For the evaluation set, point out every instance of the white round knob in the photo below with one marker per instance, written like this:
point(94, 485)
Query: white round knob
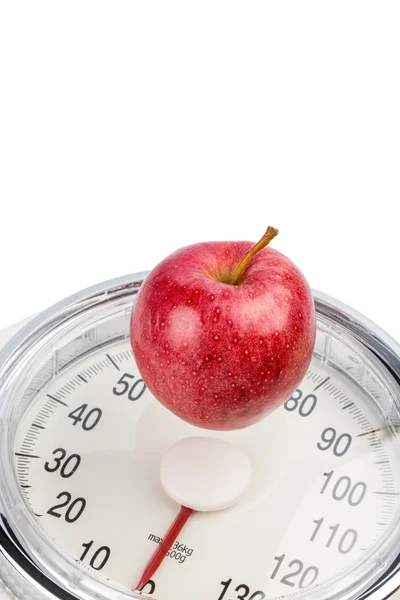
point(205, 473)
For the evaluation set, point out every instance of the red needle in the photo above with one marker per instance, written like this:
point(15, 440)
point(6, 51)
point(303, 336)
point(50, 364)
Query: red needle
point(164, 547)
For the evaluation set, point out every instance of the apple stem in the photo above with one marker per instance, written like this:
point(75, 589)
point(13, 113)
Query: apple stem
point(240, 270)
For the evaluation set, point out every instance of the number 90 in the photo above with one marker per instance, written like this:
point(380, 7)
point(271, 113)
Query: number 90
point(339, 445)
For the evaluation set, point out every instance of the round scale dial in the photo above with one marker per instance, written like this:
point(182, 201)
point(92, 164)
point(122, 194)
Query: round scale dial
point(86, 440)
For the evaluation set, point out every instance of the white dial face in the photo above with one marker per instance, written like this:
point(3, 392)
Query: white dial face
point(325, 484)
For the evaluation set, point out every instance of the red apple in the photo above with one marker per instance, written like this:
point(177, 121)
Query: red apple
point(223, 332)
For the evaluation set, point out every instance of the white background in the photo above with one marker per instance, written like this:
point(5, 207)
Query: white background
point(129, 129)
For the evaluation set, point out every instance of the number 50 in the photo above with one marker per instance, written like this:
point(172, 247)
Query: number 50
point(124, 385)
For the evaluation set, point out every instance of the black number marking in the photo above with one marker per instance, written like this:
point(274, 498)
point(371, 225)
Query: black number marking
point(139, 392)
point(57, 460)
point(90, 420)
point(52, 510)
point(308, 576)
point(305, 407)
point(151, 585)
point(225, 586)
point(243, 588)
point(99, 558)
point(125, 384)
point(71, 515)
point(246, 591)
point(339, 445)
point(68, 468)
point(344, 488)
